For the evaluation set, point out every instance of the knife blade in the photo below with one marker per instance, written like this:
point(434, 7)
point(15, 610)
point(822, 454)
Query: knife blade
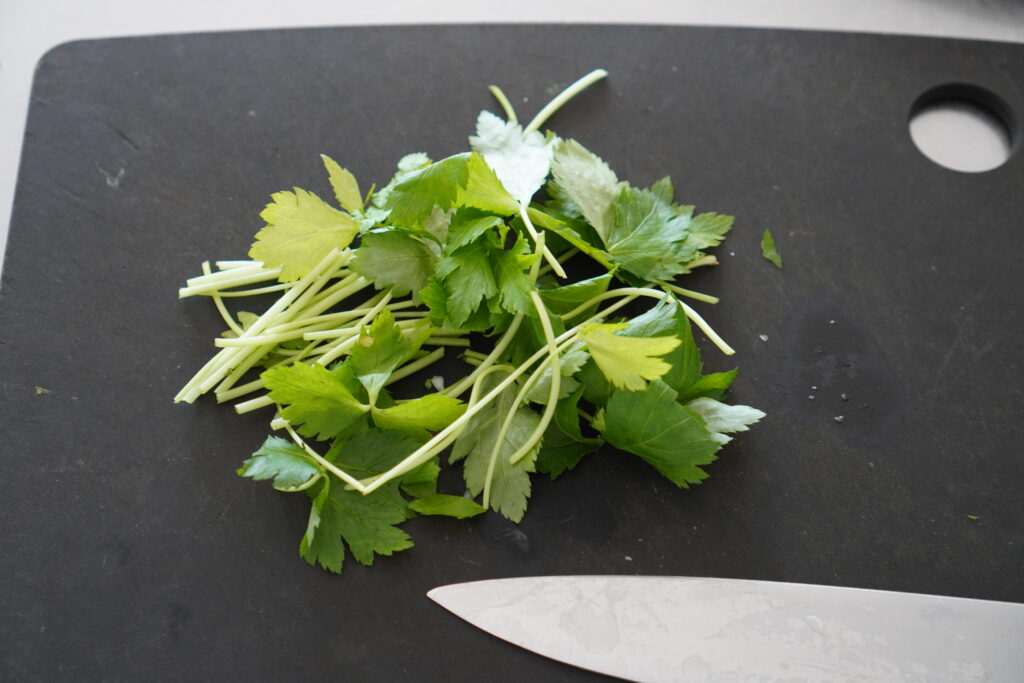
point(649, 628)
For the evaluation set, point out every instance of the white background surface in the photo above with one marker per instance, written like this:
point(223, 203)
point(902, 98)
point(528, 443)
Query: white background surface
point(28, 28)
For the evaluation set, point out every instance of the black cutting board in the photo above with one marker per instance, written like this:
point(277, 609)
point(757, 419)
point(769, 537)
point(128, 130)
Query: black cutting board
point(130, 550)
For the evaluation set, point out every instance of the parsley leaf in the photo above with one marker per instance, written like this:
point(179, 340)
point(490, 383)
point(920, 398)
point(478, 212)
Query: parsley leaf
point(459, 507)
point(564, 444)
point(468, 279)
point(413, 199)
point(319, 400)
point(671, 437)
point(723, 419)
point(484, 191)
point(627, 361)
point(708, 230)
point(586, 179)
point(521, 162)
point(395, 259)
point(510, 486)
point(346, 189)
point(365, 524)
point(430, 412)
point(380, 350)
point(769, 250)
point(281, 460)
point(666, 318)
point(713, 385)
point(647, 237)
point(301, 229)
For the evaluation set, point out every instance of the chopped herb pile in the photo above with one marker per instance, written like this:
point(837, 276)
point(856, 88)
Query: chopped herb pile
point(458, 253)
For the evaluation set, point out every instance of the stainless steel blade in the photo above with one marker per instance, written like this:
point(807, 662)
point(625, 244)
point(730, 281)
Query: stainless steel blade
point(649, 628)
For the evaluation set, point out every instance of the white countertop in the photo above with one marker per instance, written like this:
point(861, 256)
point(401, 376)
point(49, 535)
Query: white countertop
point(28, 28)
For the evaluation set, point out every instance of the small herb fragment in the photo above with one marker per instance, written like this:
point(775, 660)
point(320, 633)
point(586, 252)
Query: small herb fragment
point(769, 250)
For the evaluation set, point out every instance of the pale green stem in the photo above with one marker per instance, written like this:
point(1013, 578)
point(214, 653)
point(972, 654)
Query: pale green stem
point(689, 293)
point(466, 382)
point(556, 382)
point(447, 341)
point(243, 366)
point(338, 350)
point(631, 292)
point(535, 436)
point(228, 279)
point(221, 308)
point(417, 365)
point(711, 334)
point(656, 294)
point(228, 265)
point(562, 258)
point(305, 485)
point(258, 290)
point(209, 277)
point(235, 392)
point(506, 106)
point(563, 97)
point(253, 404)
point(326, 464)
point(221, 363)
point(540, 247)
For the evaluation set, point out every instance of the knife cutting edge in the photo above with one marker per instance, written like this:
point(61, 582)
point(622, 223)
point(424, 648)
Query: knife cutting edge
point(700, 629)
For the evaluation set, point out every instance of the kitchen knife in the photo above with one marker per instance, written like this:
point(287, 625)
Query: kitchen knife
point(650, 628)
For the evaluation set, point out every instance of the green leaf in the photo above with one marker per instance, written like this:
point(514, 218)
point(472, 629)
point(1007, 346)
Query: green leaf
point(395, 259)
point(379, 351)
point(484, 191)
point(671, 437)
point(422, 481)
point(647, 237)
point(714, 385)
point(627, 361)
point(563, 230)
point(468, 279)
point(521, 161)
point(570, 363)
point(564, 299)
point(468, 225)
point(510, 486)
point(596, 387)
point(514, 284)
point(281, 460)
point(667, 318)
point(371, 452)
point(722, 419)
point(449, 506)
point(413, 199)
point(708, 230)
point(587, 180)
point(769, 250)
point(301, 230)
point(364, 524)
point(315, 398)
point(560, 452)
point(344, 184)
point(430, 412)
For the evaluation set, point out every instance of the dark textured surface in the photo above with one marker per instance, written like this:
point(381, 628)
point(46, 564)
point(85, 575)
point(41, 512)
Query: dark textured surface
point(129, 549)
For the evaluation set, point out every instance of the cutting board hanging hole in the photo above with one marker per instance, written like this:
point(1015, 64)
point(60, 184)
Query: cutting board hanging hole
point(963, 128)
